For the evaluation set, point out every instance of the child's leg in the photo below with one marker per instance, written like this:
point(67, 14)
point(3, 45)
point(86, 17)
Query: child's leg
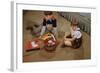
point(68, 43)
point(43, 30)
point(66, 40)
point(55, 32)
point(63, 44)
point(77, 43)
point(49, 27)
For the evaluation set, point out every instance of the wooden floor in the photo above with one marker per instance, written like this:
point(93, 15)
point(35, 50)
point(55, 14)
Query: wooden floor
point(67, 53)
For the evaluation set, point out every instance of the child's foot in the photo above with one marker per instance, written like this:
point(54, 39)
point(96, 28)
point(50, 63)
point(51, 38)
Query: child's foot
point(63, 46)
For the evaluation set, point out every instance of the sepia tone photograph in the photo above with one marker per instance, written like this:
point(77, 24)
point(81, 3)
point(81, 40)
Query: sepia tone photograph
point(56, 36)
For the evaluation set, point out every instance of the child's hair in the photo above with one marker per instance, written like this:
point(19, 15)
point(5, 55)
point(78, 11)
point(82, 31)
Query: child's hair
point(48, 12)
point(74, 22)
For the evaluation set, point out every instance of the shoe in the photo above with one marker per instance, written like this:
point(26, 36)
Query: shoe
point(63, 46)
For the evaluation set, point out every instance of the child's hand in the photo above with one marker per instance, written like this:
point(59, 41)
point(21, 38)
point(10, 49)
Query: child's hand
point(65, 38)
point(40, 37)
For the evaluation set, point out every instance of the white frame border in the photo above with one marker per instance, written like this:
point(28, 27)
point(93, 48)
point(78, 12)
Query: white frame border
point(16, 62)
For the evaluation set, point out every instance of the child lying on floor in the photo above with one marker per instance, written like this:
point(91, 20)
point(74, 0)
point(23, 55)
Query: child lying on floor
point(74, 39)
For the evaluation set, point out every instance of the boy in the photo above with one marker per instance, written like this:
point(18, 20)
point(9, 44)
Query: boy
point(74, 39)
point(49, 23)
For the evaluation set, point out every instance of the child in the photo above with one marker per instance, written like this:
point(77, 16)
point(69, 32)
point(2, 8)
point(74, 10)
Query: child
point(49, 23)
point(74, 39)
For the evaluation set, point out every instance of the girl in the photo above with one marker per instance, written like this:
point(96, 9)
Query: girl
point(49, 23)
point(74, 39)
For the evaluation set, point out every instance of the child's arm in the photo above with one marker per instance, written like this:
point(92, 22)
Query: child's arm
point(44, 22)
point(70, 39)
point(43, 27)
point(66, 34)
point(43, 30)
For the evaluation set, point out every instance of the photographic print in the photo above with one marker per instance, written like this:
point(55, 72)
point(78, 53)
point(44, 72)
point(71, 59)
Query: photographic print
point(52, 36)
point(56, 36)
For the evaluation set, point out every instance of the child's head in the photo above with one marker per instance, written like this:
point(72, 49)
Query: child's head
point(48, 14)
point(74, 24)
